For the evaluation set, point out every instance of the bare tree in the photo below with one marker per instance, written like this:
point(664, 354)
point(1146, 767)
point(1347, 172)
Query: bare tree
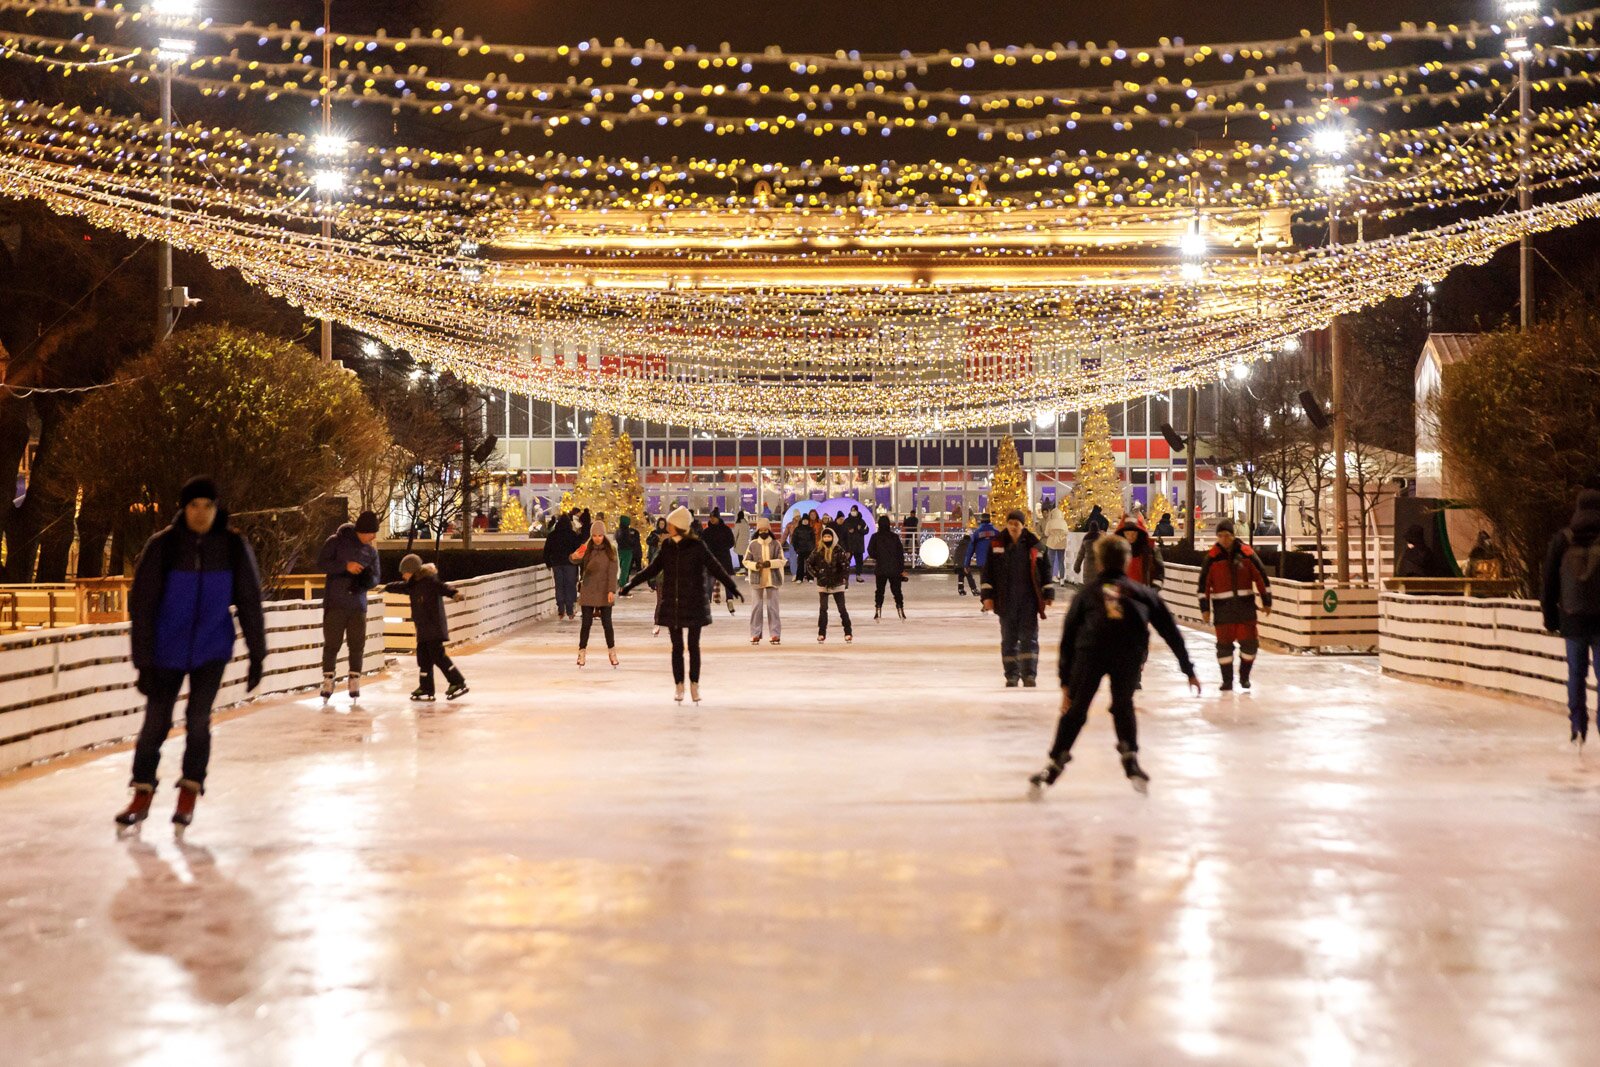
point(1381, 437)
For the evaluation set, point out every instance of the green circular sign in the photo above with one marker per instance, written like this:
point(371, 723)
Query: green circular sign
point(1330, 601)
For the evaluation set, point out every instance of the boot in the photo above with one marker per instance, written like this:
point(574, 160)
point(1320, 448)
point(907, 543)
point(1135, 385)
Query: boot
point(1051, 772)
point(354, 685)
point(583, 656)
point(1030, 682)
point(422, 695)
point(456, 691)
point(1244, 672)
point(877, 613)
point(694, 692)
point(612, 655)
point(1227, 677)
point(1131, 768)
point(138, 808)
point(678, 692)
point(327, 687)
point(901, 608)
point(188, 793)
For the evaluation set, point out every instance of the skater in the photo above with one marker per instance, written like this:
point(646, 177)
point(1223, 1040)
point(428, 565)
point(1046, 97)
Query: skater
point(977, 554)
point(804, 540)
point(1056, 533)
point(888, 554)
point(683, 564)
point(764, 562)
point(558, 549)
point(1096, 520)
point(1085, 566)
point(597, 592)
point(1017, 588)
point(855, 536)
point(719, 541)
point(964, 577)
point(1230, 577)
point(741, 540)
point(420, 581)
point(351, 566)
point(653, 545)
point(1107, 636)
point(187, 578)
point(830, 565)
point(1570, 599)
point(1146, 565)
point(628, 549)
point(1164, 528)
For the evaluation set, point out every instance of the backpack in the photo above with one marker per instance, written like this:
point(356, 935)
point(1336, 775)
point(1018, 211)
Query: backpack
point(1580, 578)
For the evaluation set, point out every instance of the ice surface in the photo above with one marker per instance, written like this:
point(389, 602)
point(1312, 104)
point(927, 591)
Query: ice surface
point(831, 861)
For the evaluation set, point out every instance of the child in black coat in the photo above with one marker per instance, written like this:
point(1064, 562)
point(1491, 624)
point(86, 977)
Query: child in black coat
point(420, 581)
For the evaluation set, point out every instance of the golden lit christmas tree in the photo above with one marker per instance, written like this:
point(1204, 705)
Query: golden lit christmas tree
point(1008, 490)
point(1159, 506)
point(630, 491)
point(513, 519)
point(1098, 481)
point(595, 487)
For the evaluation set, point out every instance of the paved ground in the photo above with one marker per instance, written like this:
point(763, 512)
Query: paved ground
point(831, 861)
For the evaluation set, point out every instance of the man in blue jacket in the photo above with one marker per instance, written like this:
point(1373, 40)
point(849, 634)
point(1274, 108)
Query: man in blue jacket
point(188, 578)
point(977, 555)
point(351, 565)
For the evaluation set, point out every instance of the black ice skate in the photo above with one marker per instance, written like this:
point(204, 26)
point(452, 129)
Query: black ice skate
point(1244, 673)
point(1136, 776)
point(902, 612)
point(1051, 772)
point(457, 690)
point(138, 808)
point(422, 695)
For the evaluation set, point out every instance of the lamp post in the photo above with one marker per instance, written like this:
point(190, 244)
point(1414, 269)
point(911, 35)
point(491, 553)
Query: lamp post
point(170, 51)
point(327, 141)
point(1517, 48)
point(1330, 142)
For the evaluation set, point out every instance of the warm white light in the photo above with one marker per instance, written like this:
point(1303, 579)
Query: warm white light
point(1193, 244)
point(1514, 8)
point(371, 347)
point(1291, 344)
point(329, 144)
point(328, 181)
point(1330, 140)
point(175, 9)
point(1044, 419)
point(1517, 48)
point(1331, 179)
point(1241, 371)
point(1192, 272)
point(174, 49)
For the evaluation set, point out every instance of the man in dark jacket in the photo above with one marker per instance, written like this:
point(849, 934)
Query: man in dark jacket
point(1096, 520)
point(188, 578)
point(559, 546)
point(1107, 636)
point(629, 550)
point(888, 554)
point(420, 581)
point(804, 540)
point(1017, 588)
point(855, 538)
point(719, 541)
point(1570, 598)
point(1230, 577)
point(351, 567)
point(1419, 560)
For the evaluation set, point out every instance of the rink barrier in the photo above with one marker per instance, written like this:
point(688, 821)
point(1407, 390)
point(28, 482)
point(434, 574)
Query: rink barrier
point(1300, 621)
point(1497, 645)
point(70, 689)
point(489, 604)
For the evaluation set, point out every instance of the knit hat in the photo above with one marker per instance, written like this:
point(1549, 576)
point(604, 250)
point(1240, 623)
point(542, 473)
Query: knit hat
point(367, 522)
point(763, 523)
point(624, 521)
point(681, 518)
point(197, 488)
point(1225, 526)
point(410, 565)
point(1017, 514)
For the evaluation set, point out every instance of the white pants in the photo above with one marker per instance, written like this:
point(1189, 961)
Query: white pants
point(766, 600)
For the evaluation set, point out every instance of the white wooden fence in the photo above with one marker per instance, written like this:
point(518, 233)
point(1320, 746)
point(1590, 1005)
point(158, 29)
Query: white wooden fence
point(1489, 644)
point(1304, 616)
point(64, 690)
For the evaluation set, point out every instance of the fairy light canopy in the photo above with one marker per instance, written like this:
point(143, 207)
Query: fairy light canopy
point(1155, 218)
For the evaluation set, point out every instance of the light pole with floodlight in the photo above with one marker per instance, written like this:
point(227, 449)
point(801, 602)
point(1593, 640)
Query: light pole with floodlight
point(1517, 48)
point(170, 51)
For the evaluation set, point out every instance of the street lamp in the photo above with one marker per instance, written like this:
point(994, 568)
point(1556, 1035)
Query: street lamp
point(1329, 142)
point(171, 50)
point(1518, 48)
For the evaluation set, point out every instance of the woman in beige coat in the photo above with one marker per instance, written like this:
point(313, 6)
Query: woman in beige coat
point(764, 561)
point(597, 571)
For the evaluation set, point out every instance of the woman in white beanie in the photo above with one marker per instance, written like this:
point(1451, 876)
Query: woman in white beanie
point(684, 565)
point(763, 559)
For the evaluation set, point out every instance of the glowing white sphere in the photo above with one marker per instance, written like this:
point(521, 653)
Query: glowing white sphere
point(934, 552)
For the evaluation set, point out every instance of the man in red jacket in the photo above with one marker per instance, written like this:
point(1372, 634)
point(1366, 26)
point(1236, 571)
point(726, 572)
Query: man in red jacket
point(1230, 577)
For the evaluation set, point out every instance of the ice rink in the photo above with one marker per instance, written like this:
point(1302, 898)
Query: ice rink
point(833, 860)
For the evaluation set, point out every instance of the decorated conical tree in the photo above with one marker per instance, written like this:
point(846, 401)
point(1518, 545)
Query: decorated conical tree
point(1159, 506)
point(1098, 481)
point(512, 518)
point(1008, 490)
point(597, 475)
point(630, 491)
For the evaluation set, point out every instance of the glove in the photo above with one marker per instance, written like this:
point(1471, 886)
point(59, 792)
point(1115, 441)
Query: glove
point(143, 684)
point(734, 594)
point(252, 680)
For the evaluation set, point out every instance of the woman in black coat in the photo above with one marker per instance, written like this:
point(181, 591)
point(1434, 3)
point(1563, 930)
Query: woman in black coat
point(684, 565)
point(888, 554)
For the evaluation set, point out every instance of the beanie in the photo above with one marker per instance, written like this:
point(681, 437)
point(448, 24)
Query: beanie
point(1017, 514)
point(681, 518)
point(367, 522)
point(197, 488)
point(410, 565)
point(763, 523)
point(1225, 526)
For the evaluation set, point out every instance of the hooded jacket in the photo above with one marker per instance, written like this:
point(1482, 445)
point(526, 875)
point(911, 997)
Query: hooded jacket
point(1056, 531)
point(561, 544)
point(1229, 581)
point(1096, 519)
point(855, 532)
point(763, 559)
point(1574, 551)
point(978, 552)
point(804, 537)
point(1015, 567)
point(183, 587)
point(597, 573)
point(718, 536)
point(1418, 560)
point(1146, 566)
point(427, 595)
point(1110, 620)
point(682, 566)
point(344, 591)
point(887, 551)
point(830, 565)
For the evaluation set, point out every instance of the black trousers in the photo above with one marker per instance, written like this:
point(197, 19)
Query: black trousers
point(965, 580)
point(204, 681)
point(431, 654)
point(859, 554)
point(343, 626)
point(894, 582)
point(678, 640)
point(1019, 639)
point(1123, 670)
point(605, 624)
point(822, 613)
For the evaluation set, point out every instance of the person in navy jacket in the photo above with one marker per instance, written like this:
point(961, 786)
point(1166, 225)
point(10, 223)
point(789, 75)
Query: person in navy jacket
point(190, 580)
